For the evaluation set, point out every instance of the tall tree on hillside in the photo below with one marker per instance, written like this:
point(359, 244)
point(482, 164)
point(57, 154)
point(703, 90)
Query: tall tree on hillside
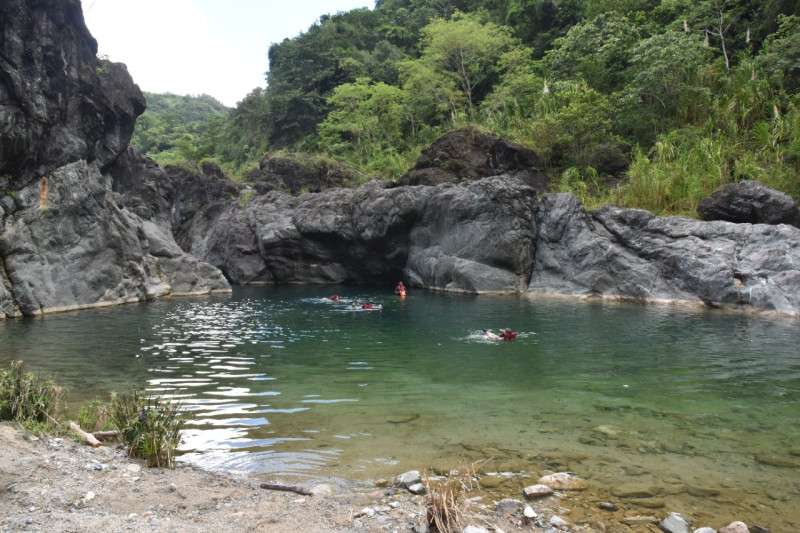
point(597, 51)
point(539, 22)
point(466, 51)
point(666, 88)
point(717, 18)
point(780, 56)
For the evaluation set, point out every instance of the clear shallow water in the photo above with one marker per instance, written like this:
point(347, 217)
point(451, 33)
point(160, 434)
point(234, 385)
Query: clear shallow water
point(281, 382)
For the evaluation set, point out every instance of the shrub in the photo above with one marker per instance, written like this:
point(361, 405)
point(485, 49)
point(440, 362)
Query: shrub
point(28, 398)
point(149, 426)
point(94, 416)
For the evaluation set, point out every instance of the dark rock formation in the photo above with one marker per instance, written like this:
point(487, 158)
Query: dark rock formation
point(468, 154)
point(189, 191)
point(58, 102)
point(300, 173)
point(750, 202)
point(69, 238)
point(633, 254)
point(470, 237)
point(491, 235)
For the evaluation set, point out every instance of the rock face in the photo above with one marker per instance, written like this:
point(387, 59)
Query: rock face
point(297, 173)
point(633, 254)
point(493, 235)
point(472, 237)
point(68, 238)
point(750, 202)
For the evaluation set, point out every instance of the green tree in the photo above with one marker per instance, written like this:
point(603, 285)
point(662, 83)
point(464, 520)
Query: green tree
point(365, 113)
point(597, 51)
point(666, 86)
point(466, 51)
point(519, 95)
point(780, 56)
point(539, 22)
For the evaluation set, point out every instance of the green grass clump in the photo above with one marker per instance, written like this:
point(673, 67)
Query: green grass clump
point(27, 398)
point(149, 426)
point(94, 416)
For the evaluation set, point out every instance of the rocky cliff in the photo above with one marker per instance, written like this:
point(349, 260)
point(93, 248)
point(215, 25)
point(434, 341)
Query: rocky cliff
point(496, 235)
point(71, 236)
point(88, 221)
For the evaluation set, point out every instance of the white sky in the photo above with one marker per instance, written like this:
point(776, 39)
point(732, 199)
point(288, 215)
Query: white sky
point(215, 47)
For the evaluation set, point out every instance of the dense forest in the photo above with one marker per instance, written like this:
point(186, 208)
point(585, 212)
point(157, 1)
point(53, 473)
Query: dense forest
point(644, 103)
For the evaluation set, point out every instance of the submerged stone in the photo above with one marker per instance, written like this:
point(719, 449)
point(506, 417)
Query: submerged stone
point(676, 523)
point(781, 461)
point(564, 481)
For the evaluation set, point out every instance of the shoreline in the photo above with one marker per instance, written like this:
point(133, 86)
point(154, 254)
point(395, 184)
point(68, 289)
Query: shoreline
point(57, 484)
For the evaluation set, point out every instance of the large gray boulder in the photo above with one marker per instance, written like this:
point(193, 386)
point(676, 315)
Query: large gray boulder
point(301, 173)
point(469, 154)
point(85, 221)
point(58, 102)
point(750, 202)
point(633, 254)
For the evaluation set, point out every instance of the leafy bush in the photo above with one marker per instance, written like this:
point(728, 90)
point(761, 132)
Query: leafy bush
point(28, 398)
point(149, 426)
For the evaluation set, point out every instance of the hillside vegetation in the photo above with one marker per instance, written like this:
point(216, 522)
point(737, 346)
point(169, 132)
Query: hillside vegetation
point(644, 103)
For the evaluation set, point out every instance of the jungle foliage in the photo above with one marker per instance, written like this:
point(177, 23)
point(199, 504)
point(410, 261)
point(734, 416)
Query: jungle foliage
point(645, 103)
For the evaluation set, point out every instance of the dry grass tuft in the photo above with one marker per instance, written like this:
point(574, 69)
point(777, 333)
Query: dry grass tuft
point(446, 500)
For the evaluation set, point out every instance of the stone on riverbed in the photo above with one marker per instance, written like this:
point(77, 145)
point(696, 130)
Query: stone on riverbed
point(777, 460)
point(675, 523)
point(735, 527)
point(537, 491)
point(417, 488)
point(564, 481)
point(407, 479)
point(507, 506)
point(635, 490)
point(636, 520)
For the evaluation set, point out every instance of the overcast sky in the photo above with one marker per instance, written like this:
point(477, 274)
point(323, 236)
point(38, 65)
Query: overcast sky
point(215, 47)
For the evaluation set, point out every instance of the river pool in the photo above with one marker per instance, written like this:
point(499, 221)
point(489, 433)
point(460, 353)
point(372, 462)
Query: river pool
point(281, 381)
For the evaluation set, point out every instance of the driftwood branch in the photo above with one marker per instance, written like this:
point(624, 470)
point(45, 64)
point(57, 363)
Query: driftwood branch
point(88, 437)
point(106, 434)
point(286, 488)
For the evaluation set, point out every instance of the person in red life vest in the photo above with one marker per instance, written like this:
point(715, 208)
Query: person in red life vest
point(366, 305)
point(335, 298)
point(505, 335)
point(400, 290)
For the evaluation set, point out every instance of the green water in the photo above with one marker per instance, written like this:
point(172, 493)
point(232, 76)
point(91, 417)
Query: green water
point(281, 382)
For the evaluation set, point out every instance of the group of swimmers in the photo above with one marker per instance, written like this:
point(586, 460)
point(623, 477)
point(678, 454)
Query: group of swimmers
point(354, 305)
point(505, 335)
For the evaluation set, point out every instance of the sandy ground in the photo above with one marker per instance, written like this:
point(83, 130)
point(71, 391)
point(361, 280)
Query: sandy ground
point(59, 485)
